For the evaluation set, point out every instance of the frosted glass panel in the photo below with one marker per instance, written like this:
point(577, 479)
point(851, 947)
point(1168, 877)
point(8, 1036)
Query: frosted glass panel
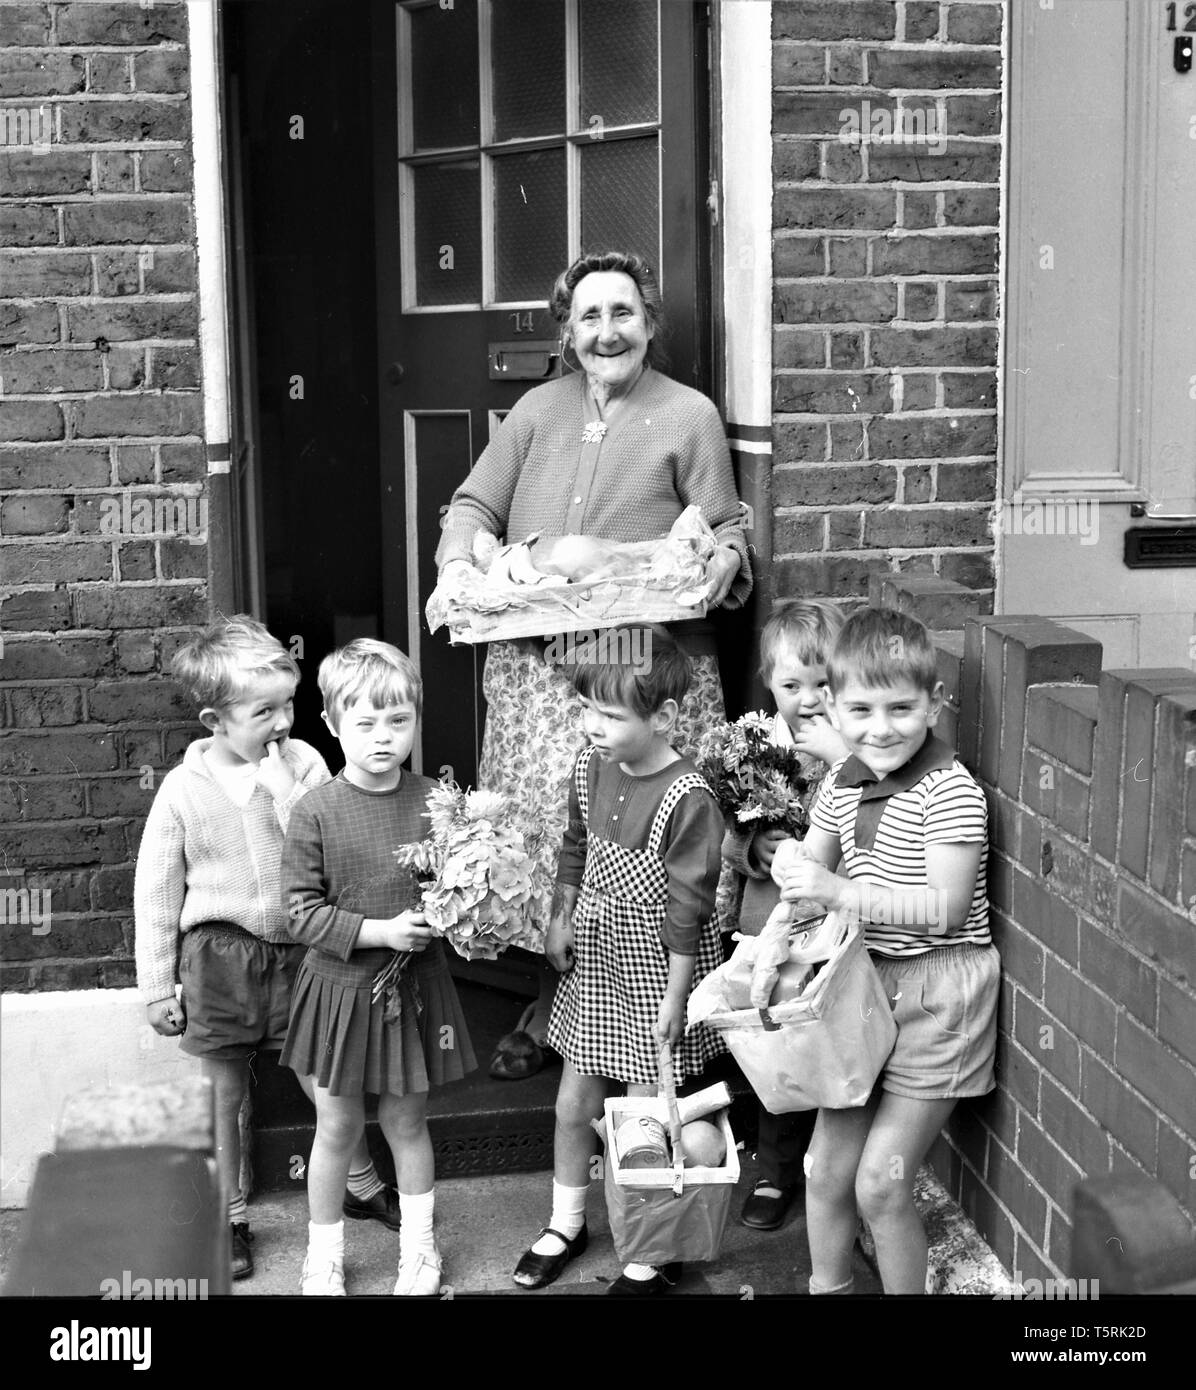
point(448, 234)
point(530, 223)
point(620, 197)
point(528, 46)
point(444, 75)
point(618, 62)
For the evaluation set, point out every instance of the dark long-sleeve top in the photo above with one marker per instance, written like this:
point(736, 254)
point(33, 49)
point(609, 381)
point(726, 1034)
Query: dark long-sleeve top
point(622, 808)
point(338, 868)
point(664, 449)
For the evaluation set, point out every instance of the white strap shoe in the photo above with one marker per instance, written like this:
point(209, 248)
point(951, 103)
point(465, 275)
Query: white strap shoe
point(323, 1277)
point(419, 1274)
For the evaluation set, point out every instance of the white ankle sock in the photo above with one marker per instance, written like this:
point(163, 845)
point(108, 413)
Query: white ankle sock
point(568, 1217)
point(417, 1213)
point(817, 1288)
point(326, 1242)
point(640, 1273)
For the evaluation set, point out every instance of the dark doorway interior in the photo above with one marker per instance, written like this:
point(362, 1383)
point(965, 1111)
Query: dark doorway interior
point(297, 95)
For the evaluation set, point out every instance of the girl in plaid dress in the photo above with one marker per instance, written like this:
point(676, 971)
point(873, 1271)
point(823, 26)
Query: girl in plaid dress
point(632, 927)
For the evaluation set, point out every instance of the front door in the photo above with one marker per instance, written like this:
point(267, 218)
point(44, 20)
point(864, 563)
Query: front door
point(1098, 525)
point(512, 135)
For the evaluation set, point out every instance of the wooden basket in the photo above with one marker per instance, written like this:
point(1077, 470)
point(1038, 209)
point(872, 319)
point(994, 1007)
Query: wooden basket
point(571, 608)
point(659, 1215)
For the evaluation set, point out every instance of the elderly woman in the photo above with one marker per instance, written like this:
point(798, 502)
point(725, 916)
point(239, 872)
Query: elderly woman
point(615, 450)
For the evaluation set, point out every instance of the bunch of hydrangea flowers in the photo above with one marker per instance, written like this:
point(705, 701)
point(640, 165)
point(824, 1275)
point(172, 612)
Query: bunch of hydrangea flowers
point(476, 869)
point(754, 780)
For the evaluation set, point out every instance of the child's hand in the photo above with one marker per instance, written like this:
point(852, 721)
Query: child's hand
point(801, 877)
point(167, 1016)
point(558, 944)
point(408, 932)
point(765, 843)
point(670, 1020)
point(818, 738)
point(274, 774)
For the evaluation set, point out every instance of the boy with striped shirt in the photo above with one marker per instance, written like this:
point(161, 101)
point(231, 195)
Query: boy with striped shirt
point(907, 823)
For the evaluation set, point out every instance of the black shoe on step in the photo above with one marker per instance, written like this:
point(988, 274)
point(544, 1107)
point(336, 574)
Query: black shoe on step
point(766, 1205)
point(661, 1282)
point(382, 1206)
point(242, 1255)
point(537, 1271)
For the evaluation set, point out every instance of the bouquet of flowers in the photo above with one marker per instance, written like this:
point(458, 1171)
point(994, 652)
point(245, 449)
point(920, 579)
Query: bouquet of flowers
point(754, 780)
point(476, 871)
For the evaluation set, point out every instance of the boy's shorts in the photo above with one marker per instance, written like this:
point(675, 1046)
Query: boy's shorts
point(236, 991)
point(945, 1007)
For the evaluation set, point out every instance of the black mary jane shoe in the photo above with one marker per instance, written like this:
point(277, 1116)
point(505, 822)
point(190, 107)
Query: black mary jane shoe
point(382, 1206)
point(661, 1282)
point(537, 1271)
point(766, 1205)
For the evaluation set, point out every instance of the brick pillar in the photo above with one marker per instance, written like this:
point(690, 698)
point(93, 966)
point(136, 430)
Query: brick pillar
point(103, 491)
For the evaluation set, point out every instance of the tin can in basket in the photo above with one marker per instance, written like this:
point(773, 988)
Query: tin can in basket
point(642, 1142)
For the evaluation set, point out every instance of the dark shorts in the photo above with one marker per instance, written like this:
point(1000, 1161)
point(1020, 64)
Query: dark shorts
point(236, 990)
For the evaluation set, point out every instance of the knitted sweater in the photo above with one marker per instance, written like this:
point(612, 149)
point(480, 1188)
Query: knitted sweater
point(205, 859)
point(664, 449)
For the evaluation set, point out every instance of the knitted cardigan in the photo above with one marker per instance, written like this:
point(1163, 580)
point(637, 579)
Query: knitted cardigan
point(663, 450)
point(204, 859)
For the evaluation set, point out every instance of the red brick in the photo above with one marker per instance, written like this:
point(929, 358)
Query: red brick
point(39, 611)
point(38, 707)
point(118, 796)
point(138, 221)
point(926, 526)
point(34, 373)
point(33, 516)
point(951, 159)
point(68, 563)
point(158, 414)
point(1021, 955)
point(966, 482)
point(969, 390)
point(40, 799)
point(135, 561)
point(921, 20)
point(135, 463)
point(798, 347)
point(1123, 1114)
point(1107, 785)
point(830, 19)
point(60, 752)
point(971, 207)
point(1049, 1040)
point(157, 606)
point(1076, 1133)
point(974, 24)
point(42, 273)
point(983, 1209)
point(1090, 1015)
point(919, 210)
point(825, 114)
point(845, 66)
point(30, 420)
point(840, 301)
point(970, 302)
point(67, 845)
point(27, 323)
point(1174, 752)
point(798, 65)
point(1137, 773)
point(828, 393)
point(921, 301)
point(1177, 1167)
point(28, 224)
point(1162, 1077)
point(899, 69)
point(1106, 963)
point(838, 576)
point(92, 974)
point(165, 171)
point(834, 209)
point(1177, 1019)
point(797, 255)
point(1055, 794)
point(111, 25)
point(124, 321)
point(118, 701)
point(114, 172)
point(24, 25)
point(1073, 873)
point(916, 484)
point(68, 937)
point(847, 349)
point(947, 253)
point(1061, 720)
point(1014, 1188)
point(971, 1137)
point(925, 347)
point(124, 121)
point(797, 441)
point(108, 73)
point(798, 532)
point(846, 441)
point(1161, 933)
point(165, 71)
point(126, 368)
point(899, 437)
point(848, 255)
point(1018, 1073)
point(1050, 1166)
point(40, 173)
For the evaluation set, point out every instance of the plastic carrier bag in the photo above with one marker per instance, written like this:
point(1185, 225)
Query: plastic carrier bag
point(826, 1032)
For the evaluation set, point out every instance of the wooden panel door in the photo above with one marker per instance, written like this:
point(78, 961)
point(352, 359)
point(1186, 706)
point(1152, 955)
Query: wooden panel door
point(511, 136)
point(1100, 398)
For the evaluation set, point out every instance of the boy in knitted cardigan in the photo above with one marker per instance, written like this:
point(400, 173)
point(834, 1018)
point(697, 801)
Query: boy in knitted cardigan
point(206, 890)
point(794, 647)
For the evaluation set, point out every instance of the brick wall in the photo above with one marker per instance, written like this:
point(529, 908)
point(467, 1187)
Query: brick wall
point(885, 291)
point(103, 504)
point(1091, 782)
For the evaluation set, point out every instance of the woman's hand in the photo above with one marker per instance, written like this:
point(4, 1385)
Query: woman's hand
point(724, 566)
point(670, 1020)
point(558, 943)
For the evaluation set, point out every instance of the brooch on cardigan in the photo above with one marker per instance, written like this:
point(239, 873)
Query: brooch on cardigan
point(593, 432)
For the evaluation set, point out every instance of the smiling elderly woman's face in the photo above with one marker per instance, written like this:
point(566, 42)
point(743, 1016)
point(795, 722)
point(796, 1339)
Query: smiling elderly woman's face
point(609, 327)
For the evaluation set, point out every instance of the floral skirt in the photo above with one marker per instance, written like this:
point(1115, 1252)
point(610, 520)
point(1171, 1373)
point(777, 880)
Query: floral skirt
point(534, 734)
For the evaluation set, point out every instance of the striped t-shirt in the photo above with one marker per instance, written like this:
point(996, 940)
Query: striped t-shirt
point(944, 806)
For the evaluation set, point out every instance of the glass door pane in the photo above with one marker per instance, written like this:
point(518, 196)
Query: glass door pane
point(618, 62)
point(620, 197)
point(444, 75)
point(527, 43)
point(531, 234)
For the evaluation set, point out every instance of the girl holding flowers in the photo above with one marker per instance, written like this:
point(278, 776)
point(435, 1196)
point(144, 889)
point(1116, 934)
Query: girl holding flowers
point(352, 903)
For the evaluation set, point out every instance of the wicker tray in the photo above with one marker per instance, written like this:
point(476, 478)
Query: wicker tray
point(570, 608)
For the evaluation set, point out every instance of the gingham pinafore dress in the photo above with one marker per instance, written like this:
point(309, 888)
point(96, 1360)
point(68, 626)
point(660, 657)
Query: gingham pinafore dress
point(606, 1006)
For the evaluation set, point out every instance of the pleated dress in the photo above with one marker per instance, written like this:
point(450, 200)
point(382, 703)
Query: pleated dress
point(652, 848)
point(338, 868)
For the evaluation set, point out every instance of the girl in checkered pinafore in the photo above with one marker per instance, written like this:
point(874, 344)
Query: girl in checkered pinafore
point(632, 927)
